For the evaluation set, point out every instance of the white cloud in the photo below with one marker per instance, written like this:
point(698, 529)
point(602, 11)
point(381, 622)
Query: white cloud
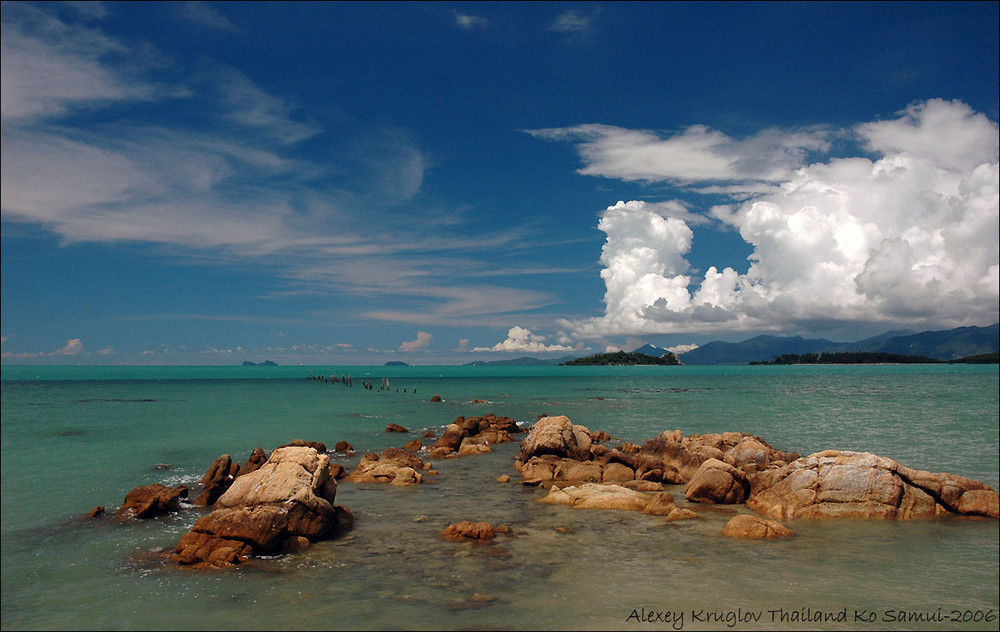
point(73, 347)
point(575, 22)
point(422, 342)
point(521, 339)
point(679, 349)
point(908, 238)
point(470, 21)
point(202, 14)
point(696, 154)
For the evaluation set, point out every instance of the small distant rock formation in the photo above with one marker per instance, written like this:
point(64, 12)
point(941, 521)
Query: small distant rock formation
point(148, 501)
point(283, 506)
point(435, 398)
point(474, 435)
point(343, 447)
point(394, 466)
point(394, 427)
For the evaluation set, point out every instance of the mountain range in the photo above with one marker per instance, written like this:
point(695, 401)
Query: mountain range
point(949, 344)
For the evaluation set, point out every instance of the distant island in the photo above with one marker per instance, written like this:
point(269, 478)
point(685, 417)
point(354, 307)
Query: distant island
point(264, 363)
point(621, 358)
point(395, 363)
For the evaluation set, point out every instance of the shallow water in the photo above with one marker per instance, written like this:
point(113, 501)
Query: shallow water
point(76, 437)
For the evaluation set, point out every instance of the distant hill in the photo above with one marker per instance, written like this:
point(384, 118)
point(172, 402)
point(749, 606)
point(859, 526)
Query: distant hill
point(264, 363)
point(396, 363)
point(946, 345)
point(620, 358)
point(523, 361)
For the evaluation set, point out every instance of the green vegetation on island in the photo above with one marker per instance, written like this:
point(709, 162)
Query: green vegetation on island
point(621, 358)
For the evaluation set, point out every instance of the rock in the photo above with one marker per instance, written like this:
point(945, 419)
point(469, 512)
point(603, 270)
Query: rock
point(436, 398)
point(270, 510)
point(466, 530)
point(617, 472)
point(755, 527)
point(863, 485)
point(572, 470)
point(95, 512)
point(717, 482)
point(319, 446)
point(671, 452)
point(662, 504)
point(474, 445)
point(597, 496)
point(394, 427)
point(503, 478)
point(257, 459)
point(413, 445)
point(393, 465)
point(557, 436)
point(217, 480)
point(343, 447)
point(150, 501)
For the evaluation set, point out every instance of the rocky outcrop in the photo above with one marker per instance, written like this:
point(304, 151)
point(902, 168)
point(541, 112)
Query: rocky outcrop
point(284, 505)
point(150, 501)
point(746, 526)
point(393, 465)
point(474, 435)
point(394, 427)
point(834, 484)
point(556, 436)
point(678, 457)
point(217, 480)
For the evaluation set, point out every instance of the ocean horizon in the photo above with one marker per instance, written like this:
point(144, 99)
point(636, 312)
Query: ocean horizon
point(76, 437)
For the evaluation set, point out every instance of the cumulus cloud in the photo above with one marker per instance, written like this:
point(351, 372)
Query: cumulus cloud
point(521, 339)
point(908, 236)
point(73, 347)
point(422, 342)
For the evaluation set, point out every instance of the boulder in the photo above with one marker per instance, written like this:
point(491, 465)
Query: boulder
point(289, 498)
point(217, 480)
point(150, 501)
point(557, 436)
point(717, 482)
point(343, 447)
point(394, 427)
point(319, 446)
point(837, 483)
point(662, 504)
point(670, 451)
point(755, 527)
point(257, 459)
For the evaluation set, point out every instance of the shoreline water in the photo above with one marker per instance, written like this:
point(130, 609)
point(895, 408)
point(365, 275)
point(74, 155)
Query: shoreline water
point(393, 573)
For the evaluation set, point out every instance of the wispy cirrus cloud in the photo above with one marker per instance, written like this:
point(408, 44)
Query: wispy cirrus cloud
point(230, 184)
point(205, 15)
point(909, 236)
point(470, 22)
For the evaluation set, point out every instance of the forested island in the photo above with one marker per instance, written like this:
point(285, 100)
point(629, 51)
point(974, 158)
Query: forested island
point(621, 358)
point(873, 357)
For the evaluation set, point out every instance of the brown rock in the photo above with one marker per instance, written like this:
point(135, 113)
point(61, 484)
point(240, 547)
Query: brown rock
point(597, 496)
point(616, 472)
point(344, 447)
point(717, 482)
point(319, 446)
point(217, 480)
point(394, 427)
point(557, 436)
point(413, 445)
point(755, 527)
point(257, 458)
point(150, 501)
point(436, 398)
point(466, 530)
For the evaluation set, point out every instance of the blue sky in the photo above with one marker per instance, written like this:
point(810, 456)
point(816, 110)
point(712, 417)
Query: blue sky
point(435, 183)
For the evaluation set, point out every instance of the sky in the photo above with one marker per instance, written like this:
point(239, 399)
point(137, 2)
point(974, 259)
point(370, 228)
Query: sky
point(437, 183)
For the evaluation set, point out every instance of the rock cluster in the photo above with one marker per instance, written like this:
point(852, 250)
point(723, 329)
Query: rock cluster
point(473, 435)
point(282, 506)
point(149, 501)
point(393, 466)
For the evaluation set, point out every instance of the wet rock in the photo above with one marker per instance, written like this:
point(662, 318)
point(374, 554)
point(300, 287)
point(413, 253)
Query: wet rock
point(436, 398)
point(393, 465)
point(217, 480)
point(597, 496)
point(755, 527)
point(394, 427)
point(270, 510)
point(343, 447)
point(467, 530)
point(319, 446)
point(150, 501)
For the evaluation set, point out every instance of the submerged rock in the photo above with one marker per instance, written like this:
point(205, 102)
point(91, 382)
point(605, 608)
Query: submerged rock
point(755, 528)
point(835, 483)
point(468, 530)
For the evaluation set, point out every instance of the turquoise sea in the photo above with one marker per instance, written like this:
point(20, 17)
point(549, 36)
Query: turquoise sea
point(77, 437)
